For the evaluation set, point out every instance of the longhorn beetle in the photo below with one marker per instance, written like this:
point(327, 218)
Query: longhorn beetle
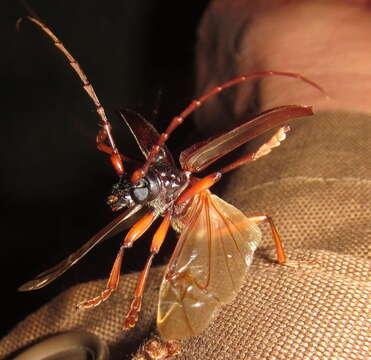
point(216, 240)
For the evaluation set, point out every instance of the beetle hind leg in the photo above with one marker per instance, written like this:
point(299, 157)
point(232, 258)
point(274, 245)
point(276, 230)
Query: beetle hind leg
point(281, 255)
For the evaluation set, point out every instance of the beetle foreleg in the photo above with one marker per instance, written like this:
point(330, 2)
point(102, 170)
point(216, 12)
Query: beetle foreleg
point(117, 159)
point(159, 237)
point(112, 284)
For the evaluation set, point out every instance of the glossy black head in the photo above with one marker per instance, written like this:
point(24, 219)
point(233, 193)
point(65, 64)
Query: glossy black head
point(125, 194)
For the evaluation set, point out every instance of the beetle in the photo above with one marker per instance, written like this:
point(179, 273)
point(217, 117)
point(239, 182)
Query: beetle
point(216, 240)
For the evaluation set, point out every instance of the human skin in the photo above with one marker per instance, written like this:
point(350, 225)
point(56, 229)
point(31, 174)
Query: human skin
point(326, 41)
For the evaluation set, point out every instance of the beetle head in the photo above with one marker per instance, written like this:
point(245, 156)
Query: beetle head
point(125, 194)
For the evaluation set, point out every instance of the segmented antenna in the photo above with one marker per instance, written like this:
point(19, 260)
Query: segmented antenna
point(86, 85)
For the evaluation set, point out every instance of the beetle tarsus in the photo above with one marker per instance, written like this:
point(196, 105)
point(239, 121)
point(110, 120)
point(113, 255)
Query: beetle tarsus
point(87, 304)
point(298, 264)
point(133, 314)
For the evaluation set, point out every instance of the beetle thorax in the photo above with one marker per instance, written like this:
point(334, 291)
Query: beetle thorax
point(159, 189)
point(172, 182)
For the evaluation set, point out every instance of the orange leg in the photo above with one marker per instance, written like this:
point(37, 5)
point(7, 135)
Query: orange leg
point(201, 185)
point(101, 138)
point(159, 237)
point(117, 159)
point(265, 149)
point(209, 180)
point(137, 230)
point(112, 283)
point(281, 256)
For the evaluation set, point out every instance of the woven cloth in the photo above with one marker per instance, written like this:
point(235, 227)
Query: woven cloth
point(317, 189)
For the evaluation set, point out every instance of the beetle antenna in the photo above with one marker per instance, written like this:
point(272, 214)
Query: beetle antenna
point(115, 158)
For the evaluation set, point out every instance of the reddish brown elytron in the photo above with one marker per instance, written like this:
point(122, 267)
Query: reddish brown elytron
point(216, 240)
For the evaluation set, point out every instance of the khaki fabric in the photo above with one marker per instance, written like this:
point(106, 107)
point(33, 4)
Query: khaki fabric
point(316, 187)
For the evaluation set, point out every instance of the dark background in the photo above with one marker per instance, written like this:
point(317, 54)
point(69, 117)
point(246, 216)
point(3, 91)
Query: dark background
point(138, 55)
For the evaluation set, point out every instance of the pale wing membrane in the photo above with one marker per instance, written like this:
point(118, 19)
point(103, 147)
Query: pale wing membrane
point(121, 222)
point(208, 266)
point(200, 156)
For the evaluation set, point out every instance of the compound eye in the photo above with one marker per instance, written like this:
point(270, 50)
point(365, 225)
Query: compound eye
point(140, 192)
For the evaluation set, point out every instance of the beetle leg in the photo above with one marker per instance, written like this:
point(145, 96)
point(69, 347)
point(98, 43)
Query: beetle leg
point(117, 159)
point(159, 237)
point(265, 149)
point(137, 230)
point(101, 138)
point(201, 185)
point(209, 180)
point(281, 255)
point(111, 286)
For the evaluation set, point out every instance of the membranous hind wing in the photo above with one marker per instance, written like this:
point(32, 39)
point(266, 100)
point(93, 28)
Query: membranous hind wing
point(207, 268)
point(120, 223)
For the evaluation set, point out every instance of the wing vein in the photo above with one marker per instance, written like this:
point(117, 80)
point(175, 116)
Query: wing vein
point(231, 232)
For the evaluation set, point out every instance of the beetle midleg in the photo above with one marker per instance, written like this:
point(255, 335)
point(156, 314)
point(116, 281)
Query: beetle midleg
point(159, 237)
point(281, 255)
point(201, 185)
point(111, 286)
